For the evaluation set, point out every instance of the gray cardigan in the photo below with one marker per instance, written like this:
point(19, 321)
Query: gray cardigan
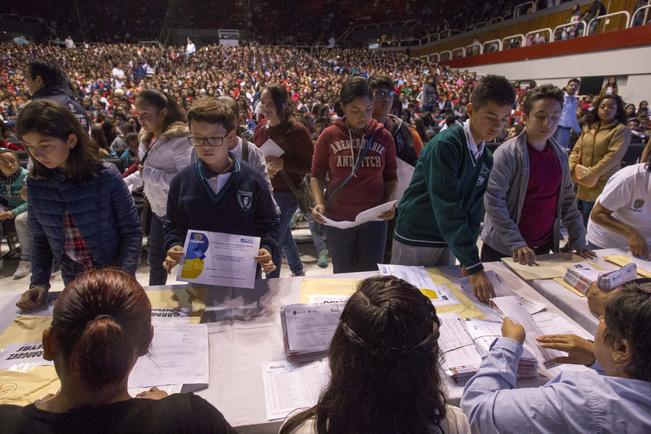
point(507, 187)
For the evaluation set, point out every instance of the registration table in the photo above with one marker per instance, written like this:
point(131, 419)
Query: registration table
point(245, 332)
point(573, 305)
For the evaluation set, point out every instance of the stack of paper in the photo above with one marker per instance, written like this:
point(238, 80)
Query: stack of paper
point(483, 333)
point(581, 276)
point(512, 308)
point(461, 360)
point(288, 387)
point(308, 328)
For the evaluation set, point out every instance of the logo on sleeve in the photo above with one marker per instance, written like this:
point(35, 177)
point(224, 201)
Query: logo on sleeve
point(639, 203)
point(245, 199)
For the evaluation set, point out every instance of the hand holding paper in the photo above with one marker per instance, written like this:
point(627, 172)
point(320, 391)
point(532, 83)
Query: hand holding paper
point(373, 214)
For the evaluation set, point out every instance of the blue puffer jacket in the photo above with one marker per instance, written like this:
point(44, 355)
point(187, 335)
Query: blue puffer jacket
point(103, 211)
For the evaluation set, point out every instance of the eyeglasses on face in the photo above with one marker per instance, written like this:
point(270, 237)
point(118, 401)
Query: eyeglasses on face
point(384, 94)
point(208, 142)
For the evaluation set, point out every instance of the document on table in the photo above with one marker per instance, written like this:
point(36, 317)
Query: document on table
point(440, 295)
point(549, 266)
point(271, 149)
point(370, 215)
point(513, 308)
point(502, 289)
point(643, 266)
point(308, 328)
point(288, 387)
point(460, 356)
point(177, 355)
point(22, 357)
point(215, 258)
point(170, 389)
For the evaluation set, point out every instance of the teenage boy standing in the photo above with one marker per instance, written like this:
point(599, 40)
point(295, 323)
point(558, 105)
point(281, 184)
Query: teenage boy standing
point(218, 192)
point(440, 212)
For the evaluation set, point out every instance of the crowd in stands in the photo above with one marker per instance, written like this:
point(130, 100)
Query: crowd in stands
point(189, 124)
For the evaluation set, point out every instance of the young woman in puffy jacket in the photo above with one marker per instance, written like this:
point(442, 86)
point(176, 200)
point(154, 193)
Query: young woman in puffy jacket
point(80, 211)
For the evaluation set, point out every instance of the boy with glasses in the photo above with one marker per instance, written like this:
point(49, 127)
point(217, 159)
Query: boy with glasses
point(218, 192)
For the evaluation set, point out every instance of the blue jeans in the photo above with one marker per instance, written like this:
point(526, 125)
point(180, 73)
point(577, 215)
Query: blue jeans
point(288, 206)
point(562, 136)
point(318, 234)
point(156, 252)
point(357, 249)
point(586, 208)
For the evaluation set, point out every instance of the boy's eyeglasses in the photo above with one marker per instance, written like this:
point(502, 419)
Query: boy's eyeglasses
point(384, 94)
point(208, 142)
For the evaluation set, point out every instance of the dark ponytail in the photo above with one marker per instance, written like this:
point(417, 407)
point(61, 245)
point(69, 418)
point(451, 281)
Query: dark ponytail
point(101, 321)
point(162, 101)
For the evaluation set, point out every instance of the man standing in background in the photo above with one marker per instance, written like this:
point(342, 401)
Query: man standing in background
point(569, 121)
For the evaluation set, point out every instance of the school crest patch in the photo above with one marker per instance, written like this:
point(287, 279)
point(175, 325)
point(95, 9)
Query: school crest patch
point(483, 175)
point(245, 199)
point(639, 203)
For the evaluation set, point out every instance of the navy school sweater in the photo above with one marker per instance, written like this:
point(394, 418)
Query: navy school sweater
point(244, 206)
point(442, 207)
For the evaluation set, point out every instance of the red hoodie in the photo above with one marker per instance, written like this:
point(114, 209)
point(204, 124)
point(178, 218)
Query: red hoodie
point(333, 156)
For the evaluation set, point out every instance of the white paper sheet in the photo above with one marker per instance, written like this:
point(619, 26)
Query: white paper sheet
point(405, 173)
point(513, 308)
point(215, 258)
point(460, 356)
point(370, 215)
point(502, 289)
point(271, 149)
point(420, 278)
point(22, 357)
point(178, 355)
point(170, 389)
point(309, 328)
point(288, 387)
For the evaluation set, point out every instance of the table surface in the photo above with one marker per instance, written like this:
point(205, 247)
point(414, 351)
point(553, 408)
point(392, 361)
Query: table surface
point(239, 347)
point(573, 305)
point(245, 332)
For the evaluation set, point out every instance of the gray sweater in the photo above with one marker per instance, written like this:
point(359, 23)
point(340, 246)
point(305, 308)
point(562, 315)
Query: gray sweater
point(507, 188)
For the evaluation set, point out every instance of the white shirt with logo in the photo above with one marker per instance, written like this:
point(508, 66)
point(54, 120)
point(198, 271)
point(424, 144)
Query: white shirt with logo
point(628, 194)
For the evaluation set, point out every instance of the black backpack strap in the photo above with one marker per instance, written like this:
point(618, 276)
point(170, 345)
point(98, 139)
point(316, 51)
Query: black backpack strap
point(245, 150)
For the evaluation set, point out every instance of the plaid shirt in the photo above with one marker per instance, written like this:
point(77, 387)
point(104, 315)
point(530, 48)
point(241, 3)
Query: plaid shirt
point(75, 246)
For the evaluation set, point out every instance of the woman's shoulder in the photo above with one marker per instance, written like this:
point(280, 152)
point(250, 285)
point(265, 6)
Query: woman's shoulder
point(176, 130)
point(455, 421)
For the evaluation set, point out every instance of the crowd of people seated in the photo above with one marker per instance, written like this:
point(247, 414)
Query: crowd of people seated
point(189, 125)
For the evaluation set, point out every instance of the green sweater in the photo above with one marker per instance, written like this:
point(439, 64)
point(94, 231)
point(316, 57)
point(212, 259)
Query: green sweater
point(442, 207)
point(11, 192)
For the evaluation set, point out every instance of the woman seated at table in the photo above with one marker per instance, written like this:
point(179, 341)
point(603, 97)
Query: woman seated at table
point(622, 214)
point(101, 325)
point(530, 190)
point(384, 368)
point(614, 399)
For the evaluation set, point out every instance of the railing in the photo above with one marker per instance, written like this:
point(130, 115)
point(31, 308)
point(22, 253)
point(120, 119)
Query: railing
point(442, 55)
point(506, 42)
point(488, 44)
point(595, 20)
point(470, 49)
point(431, 57)
point(536, 33)
point(458, 53)
point(517, 11)
point(645, 20)
point(581, 29)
